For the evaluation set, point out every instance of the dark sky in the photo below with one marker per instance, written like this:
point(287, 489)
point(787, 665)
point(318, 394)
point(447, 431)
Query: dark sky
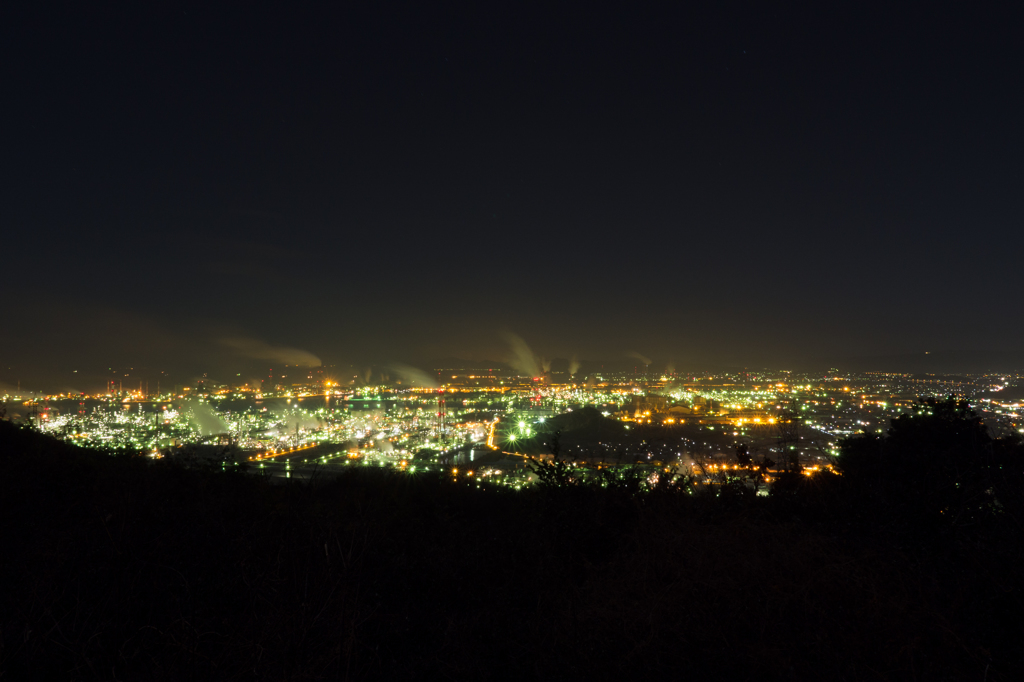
point(734, 183)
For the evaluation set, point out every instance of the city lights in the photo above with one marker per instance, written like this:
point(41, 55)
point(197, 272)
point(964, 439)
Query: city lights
point(494, 425)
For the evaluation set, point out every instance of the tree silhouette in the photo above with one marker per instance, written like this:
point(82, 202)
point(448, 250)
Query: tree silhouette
point(743, 455)
point(937, 464)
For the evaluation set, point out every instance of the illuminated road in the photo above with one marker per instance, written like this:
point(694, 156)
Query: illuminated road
point(284, 453)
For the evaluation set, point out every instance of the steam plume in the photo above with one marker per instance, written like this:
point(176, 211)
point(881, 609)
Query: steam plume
point(297, 418)
point(574, 365)
point(203, 417)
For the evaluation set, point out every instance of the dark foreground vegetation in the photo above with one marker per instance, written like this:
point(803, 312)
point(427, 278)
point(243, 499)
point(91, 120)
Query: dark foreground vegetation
point(907, 567)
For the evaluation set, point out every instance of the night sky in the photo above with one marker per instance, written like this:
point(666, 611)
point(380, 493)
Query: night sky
point(737, 185)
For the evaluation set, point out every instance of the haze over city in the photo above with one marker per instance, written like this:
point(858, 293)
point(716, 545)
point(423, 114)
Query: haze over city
point(374, 187)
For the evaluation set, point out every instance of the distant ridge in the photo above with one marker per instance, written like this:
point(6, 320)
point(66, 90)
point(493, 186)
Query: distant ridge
point(939, 362)
point(459, 363)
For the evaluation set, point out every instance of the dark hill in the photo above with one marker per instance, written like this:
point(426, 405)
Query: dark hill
point(586, 424)
point(122, 568)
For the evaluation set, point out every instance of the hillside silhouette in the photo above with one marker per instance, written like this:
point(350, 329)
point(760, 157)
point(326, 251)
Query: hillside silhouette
point(583, 425)
point(906, 567)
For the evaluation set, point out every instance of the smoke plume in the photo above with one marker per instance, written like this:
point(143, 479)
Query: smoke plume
point(410, 376)
point(574, 365)
point(523, 359)
point(260, 350)
point(642, 358)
